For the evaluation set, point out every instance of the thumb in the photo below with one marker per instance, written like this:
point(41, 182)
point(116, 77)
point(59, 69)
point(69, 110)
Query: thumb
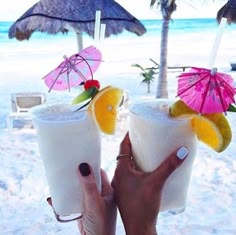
point(107, 190)
point(124, 157)
point(88, 184)
point(169, 165)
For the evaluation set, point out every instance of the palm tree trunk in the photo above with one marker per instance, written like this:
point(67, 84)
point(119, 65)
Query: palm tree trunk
point(167, 8)
point(162, 85)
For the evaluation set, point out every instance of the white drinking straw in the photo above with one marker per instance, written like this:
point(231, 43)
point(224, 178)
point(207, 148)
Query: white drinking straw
point(97, 27)
point(102, 34)
point(216, 43)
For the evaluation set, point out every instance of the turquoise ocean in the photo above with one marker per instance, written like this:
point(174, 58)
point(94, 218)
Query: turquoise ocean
point(177, 26)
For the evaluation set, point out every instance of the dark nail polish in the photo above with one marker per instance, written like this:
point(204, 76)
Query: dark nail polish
point(84, 169)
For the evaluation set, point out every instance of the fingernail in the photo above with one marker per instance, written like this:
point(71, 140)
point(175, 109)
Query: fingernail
point(84, 169)
point(182, 153)
point(49, 201)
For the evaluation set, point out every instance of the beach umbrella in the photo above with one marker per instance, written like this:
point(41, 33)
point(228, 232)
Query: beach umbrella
point(74, 70)
point(54, 16)
point(228, 11)
point(206, 90)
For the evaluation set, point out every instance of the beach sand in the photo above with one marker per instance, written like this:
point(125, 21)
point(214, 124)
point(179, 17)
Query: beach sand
point(211, 206)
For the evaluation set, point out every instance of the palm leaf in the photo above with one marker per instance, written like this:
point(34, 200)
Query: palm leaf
point(232, 108)
point(138, 66)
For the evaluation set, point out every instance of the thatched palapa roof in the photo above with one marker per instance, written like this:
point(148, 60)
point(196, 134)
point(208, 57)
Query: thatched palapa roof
point(53, 16)
point(228, 11)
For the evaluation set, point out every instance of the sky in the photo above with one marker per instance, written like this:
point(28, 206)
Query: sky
point(12, 9)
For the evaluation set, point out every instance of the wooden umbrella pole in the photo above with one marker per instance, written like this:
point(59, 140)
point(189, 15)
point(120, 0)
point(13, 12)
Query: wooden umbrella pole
point(79, 37)
point(79, 41)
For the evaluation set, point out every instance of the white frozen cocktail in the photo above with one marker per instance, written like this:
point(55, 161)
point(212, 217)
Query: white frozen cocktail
point(66, 139)
point(154, 136)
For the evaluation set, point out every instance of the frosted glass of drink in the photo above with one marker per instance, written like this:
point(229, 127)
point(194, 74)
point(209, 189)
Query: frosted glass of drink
point(66, 139)
point(154, 136)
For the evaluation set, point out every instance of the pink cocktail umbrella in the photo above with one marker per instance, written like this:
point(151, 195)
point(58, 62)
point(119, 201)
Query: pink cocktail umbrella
point(74, 69)
point(206, 90)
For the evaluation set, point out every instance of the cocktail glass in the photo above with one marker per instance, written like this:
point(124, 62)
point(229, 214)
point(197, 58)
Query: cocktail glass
point(66, 139)
point(154, 136)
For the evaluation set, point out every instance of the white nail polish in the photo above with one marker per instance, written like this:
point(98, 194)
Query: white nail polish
point(182, 153)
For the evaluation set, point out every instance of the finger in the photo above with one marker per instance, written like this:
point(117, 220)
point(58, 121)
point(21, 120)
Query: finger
point(169, 165)
point(125, 146)
point(88, 184)
point(124, 158)
point(107, 190)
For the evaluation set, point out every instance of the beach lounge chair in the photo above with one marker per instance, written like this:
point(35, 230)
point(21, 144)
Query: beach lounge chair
point(177, 67)
point(174, 67)
point(21, 104)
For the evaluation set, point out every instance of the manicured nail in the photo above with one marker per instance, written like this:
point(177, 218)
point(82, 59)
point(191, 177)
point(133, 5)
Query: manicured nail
point(182, 153)
point(49, 201)
point(84, 169)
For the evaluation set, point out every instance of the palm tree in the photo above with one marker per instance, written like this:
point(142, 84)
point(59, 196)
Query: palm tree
point(167, 8)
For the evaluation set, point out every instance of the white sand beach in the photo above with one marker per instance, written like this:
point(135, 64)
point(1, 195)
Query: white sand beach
point(211, 207)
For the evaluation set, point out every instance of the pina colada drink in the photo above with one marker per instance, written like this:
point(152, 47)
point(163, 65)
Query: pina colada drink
point(66, 139)
point(154, 136)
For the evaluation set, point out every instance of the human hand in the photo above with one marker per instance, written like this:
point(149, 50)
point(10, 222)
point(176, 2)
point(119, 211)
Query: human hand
point(99, 216)
point(138, 194)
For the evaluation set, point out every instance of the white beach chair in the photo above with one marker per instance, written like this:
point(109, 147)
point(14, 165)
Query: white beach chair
point(123, 107)
point(21, 104)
